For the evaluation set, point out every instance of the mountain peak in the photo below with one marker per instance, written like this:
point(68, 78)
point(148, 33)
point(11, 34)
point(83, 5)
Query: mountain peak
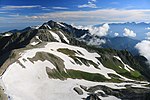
point(54, 54)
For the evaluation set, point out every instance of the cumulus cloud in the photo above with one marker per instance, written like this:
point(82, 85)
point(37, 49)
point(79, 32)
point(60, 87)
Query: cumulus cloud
point(116, 34)
point(129, 33)
point(90, 4)
point(97, 31)
point(144, 49)
point(96, 41)
point(148, 35)
point(148, 28)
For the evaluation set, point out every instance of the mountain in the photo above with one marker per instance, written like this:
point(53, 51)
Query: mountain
point(121, 43)
point(51, 62)
point(118, 43)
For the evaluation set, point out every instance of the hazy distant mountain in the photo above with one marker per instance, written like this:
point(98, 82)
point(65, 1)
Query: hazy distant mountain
point(121, 43)
point(118, 43)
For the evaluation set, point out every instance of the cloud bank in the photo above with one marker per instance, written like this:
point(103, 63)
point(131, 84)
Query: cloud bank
point(96, 41)
point(60, 8)
point(96, 16)
point(92, 17)
point(144, 49)
point(19, 7)
point(148, 28)
point(97, 31)
point(129, 33)
point(148, 35)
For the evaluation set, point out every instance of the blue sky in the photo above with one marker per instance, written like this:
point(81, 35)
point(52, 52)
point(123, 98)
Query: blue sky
point(23, 13)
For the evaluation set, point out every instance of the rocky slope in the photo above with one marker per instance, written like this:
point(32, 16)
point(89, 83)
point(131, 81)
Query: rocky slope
point(50, 62)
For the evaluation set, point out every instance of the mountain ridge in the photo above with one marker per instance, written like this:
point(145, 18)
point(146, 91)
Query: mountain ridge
point(54, 53)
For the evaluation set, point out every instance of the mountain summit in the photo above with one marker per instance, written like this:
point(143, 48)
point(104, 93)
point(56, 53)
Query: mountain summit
point(51, 62)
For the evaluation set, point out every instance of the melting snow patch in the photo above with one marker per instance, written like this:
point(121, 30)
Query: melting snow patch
point(61, 24)
point(38, 38)
point(34, 43)
point(83, 36)
point(46, 25)
point(64, 37)
point(36, 27)
point(55, 36)
point(127, 67)
point(7, 34)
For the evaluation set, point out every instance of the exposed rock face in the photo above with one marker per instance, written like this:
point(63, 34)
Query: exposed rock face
point(92, 97)
point(78, 90)
point(125, 94)
point(3, 96)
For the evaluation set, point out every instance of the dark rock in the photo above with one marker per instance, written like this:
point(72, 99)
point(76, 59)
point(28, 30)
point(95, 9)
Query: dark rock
point(124, 94)
point(78, 90)
point(101, 94)
point(83, 87)
point(93, 97)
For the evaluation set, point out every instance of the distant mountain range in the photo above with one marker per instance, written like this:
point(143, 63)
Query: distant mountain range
point(118, 43)
point(121, 43)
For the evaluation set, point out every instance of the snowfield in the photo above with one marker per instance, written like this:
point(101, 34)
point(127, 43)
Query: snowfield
point(29, 80)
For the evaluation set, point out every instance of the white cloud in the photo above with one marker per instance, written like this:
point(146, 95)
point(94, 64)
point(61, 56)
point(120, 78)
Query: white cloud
point(144, 49)
point(98, 31)
point(9, 7)
point(96, 41)
point(60, 8)
point(116, 34)
point(90, 4)
point(148, 35)
point(148, 28)
point(129, 33)
point(3, 12)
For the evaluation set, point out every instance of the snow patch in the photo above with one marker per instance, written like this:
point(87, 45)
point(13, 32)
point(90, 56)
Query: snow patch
point(64, 37)
point(83, 36)
point(37, 37)
point(46, 25)
point(61, 24)
point(126, 67)
point(36, 27)
point(55, 36)
point(34, 43)
point(7, 34)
